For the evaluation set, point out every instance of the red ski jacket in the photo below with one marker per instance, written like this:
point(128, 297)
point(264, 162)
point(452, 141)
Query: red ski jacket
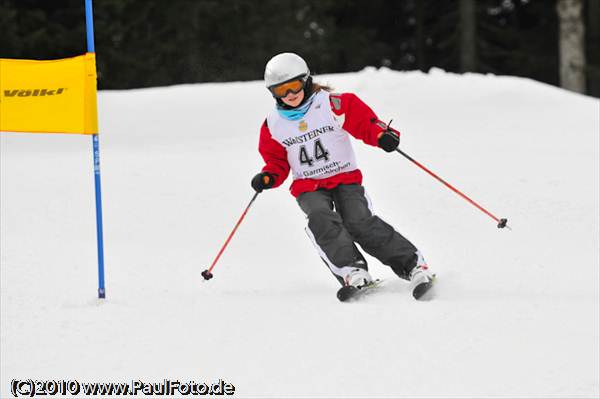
point(360, 121)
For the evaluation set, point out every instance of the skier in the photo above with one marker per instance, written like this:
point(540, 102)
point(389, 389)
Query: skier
point(308, 132)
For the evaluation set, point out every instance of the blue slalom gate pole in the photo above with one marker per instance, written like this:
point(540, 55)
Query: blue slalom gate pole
point(89, 24)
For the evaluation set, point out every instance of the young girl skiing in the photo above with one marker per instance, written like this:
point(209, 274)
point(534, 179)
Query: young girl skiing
point(308, 132)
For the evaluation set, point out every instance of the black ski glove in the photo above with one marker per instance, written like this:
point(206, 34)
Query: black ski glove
point(388, 140)
point(262, 181)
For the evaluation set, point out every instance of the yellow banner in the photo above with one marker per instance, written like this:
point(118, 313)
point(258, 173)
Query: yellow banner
point(57, 96)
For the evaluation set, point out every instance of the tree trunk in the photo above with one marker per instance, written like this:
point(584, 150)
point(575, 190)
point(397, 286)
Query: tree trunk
point(468, 46)
point(571, 47)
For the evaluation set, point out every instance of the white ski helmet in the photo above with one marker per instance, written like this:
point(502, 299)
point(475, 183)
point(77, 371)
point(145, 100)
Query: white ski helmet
point(284, 67)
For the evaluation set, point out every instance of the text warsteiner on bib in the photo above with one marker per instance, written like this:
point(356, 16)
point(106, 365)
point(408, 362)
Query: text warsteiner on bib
point(317, 146)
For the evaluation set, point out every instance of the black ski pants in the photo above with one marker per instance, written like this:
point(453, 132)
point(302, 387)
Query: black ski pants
point(341, 217)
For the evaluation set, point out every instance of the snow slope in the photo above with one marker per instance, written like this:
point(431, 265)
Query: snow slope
point(516, 313)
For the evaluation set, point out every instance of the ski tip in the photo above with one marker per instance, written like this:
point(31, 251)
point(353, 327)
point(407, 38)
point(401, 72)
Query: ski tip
point(349, 292)
point(346, 293)
point(424, 291)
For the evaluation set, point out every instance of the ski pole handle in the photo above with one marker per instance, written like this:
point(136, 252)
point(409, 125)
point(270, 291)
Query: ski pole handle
point(207, 274)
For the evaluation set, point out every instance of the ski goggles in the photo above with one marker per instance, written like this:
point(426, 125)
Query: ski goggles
point(294, 86)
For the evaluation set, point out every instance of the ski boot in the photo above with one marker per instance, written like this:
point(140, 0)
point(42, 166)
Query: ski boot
point(421, 282)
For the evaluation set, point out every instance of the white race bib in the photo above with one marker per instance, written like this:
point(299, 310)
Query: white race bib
point(317, 146)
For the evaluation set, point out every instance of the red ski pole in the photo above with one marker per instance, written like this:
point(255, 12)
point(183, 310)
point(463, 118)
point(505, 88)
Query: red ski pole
point(501, 222)
point(207, 274)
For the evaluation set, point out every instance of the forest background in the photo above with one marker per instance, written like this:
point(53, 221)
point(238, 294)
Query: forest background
point(147, 43)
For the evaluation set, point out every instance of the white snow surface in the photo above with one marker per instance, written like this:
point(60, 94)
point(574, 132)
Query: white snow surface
point(516, 312)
